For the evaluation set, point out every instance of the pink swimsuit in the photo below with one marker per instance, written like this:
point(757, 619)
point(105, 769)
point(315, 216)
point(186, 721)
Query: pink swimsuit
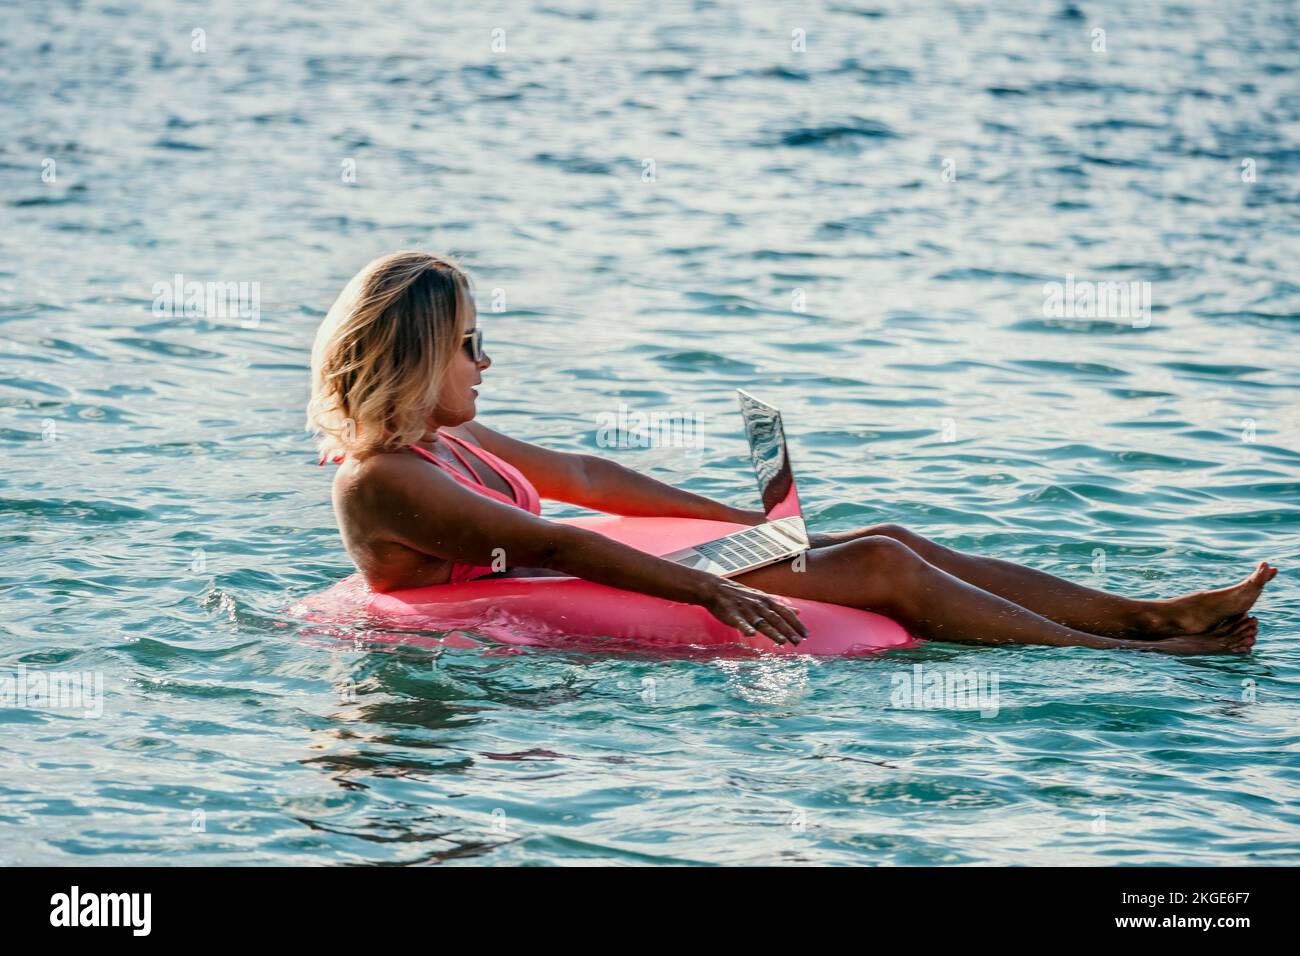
point(525, 495)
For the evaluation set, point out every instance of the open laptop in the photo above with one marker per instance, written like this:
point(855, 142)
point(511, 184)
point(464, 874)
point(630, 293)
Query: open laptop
point(783, 535)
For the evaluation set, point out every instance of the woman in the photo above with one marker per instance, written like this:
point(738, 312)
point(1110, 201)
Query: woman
point(426, 495)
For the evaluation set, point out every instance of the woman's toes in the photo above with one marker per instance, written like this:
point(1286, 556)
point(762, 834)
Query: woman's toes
point(1230, 625)
point(1246, 635)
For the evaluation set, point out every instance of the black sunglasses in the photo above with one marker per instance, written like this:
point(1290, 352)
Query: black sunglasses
point(473, 342)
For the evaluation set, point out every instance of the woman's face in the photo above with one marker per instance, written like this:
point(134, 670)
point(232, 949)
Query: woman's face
point(456, 403)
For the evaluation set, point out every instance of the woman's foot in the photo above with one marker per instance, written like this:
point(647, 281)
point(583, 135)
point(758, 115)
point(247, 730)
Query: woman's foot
point(1236, 635)
point(1196, 614)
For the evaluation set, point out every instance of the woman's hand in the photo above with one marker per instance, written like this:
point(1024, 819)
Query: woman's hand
point(748, 610)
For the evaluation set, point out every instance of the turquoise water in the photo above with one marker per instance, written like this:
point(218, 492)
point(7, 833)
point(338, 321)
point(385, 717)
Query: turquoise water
point(161, 508)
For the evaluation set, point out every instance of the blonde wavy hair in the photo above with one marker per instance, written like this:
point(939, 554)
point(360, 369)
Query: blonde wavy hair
point(382, 352)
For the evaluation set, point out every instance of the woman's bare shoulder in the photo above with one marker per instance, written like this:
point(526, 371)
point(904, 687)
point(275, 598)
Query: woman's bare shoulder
point(381, 470)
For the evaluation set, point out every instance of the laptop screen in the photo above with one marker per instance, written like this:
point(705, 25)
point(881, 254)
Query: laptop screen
point(767, 449)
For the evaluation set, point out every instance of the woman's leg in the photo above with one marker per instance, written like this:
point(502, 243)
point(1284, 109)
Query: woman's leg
point(879, 573)
point(1074, 605)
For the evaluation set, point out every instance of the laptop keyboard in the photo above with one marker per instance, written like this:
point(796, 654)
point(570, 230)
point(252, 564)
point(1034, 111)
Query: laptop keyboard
point(742, 549)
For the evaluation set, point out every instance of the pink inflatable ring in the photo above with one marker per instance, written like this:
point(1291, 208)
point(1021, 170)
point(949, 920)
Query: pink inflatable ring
point(572, 613)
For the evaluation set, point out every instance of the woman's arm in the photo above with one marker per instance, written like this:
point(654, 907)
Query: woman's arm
point(603, 485)
point(429, 512)
point(618, 490)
